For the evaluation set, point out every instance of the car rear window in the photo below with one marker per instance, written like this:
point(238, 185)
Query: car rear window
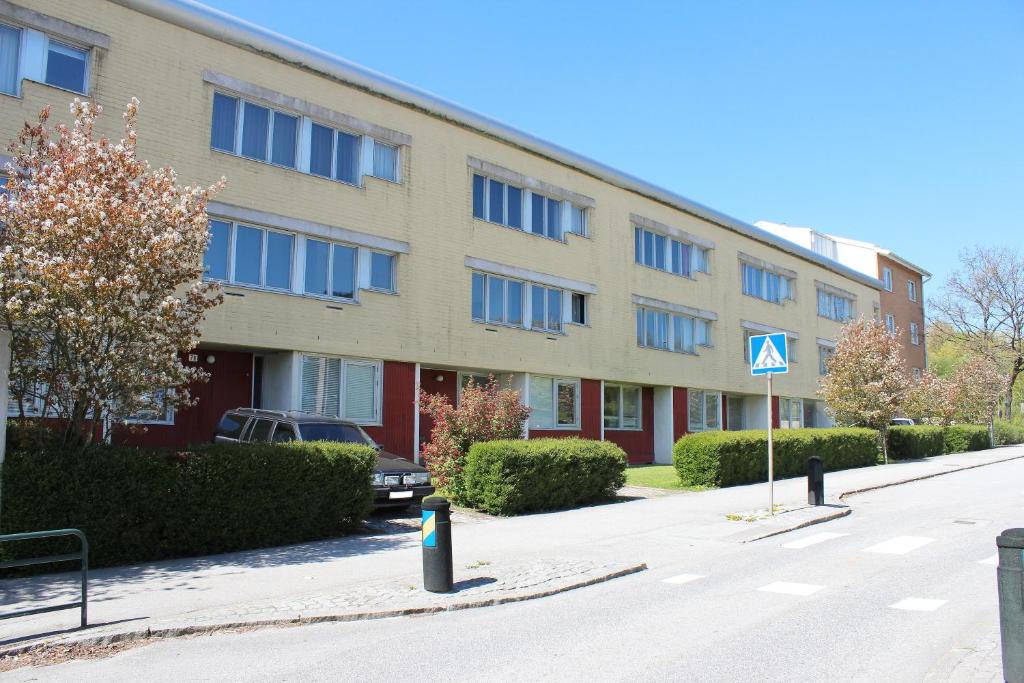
point(317, 431)
point(231, 425)
point(260, 432)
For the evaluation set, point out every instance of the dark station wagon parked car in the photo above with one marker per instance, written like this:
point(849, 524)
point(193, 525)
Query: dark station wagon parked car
point(397, 482)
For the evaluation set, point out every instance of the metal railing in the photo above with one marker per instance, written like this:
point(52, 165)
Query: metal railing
point(82, 554)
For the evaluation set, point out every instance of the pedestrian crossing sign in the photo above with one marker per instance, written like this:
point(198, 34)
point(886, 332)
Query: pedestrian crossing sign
point(769, 354)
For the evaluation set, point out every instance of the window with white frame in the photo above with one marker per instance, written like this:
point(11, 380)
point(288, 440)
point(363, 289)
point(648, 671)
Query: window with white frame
point(251, 130)
point(10, 47)
point(498, 299)
point(671, 331)
point(256, 131)
point(791, 413)
point(890, 323)
point(385, 161)
point(28, 53)
point(824, 245)
point(704, 410)
point(249, 255)
point(887, 279)
point(330, 269)
point(915, 338)
point(382, 271)
point(506, 204)
point(916, 372)
point(911, 290)
point(519, 303)
point(255, 256)
point(554, 403)
point(763, 283)
point(341, 387)
point(580, 315)
point(670, 255)
point(834, 306)
point(622, 407)
point(825, 353)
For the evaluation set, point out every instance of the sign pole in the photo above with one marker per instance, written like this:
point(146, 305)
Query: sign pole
point(771, 452)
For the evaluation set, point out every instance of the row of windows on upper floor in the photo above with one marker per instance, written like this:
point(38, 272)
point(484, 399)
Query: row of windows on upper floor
point(259, 132)
point(255, 131)
point(27, 53)
point(266, 134)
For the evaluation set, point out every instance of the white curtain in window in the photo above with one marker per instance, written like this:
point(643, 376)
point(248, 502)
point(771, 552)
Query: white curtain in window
point(542, 405)
point(321, 385)
point(10, 41)
point(385, 161)
point(360, 385)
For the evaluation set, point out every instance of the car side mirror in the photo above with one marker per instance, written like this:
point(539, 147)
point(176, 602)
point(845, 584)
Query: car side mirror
point(377, 447)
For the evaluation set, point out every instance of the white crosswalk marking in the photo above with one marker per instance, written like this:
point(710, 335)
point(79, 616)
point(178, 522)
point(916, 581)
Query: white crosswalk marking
point(994, 560)
point(919, 604)
point(901, 545)
point(683, 578)
point(812, 540)
point(787, 588)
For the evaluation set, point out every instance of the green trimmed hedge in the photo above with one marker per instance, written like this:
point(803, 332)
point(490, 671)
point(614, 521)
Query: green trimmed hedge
point(741, 457)
point(139, 505)
point(924, 441)
point(963, 438)
point(1009, 433)
point(918, 441)
point(512, 477)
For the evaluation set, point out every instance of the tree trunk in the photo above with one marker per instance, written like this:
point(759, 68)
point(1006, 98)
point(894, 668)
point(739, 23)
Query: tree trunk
point(1018, 365)
point(883, 433)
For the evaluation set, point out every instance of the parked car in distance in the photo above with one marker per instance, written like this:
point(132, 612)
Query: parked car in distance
point(901, 422)
point(397, 482)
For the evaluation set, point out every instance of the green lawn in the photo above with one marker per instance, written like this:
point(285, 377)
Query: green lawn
point(657, 477)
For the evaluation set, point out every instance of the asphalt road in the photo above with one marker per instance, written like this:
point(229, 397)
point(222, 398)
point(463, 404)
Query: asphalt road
point(886, 594)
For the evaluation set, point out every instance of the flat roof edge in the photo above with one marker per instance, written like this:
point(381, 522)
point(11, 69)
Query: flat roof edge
point(230, 29)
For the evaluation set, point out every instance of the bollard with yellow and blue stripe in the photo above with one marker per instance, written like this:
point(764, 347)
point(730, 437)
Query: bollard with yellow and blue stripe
point(438, 574)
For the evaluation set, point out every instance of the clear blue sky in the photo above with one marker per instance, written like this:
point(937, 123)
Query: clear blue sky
point(900, 123)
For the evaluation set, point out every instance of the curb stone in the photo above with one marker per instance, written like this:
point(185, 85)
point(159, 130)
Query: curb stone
point(846, 510)
point(142, 635)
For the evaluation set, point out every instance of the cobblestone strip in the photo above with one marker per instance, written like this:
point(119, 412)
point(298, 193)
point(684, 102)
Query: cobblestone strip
point(382, 600)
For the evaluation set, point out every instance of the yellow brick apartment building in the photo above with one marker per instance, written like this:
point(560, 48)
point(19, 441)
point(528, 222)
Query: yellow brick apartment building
point(374, 239)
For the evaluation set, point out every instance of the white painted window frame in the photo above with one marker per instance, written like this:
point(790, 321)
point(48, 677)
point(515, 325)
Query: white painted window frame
point(912, 290)
point(565, 314)
point(304, 139)
point(526, 210)
point(887, 278)
point(695, 260)
point(704, 393)
point(555, 383)
point(298, 263)
point(641, 312)
point(346, 361)
point(622, 388)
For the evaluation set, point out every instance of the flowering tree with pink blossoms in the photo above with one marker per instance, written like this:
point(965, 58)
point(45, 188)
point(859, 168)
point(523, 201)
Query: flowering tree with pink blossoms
point(867, 380)
point(484, 413)
point(101, 263)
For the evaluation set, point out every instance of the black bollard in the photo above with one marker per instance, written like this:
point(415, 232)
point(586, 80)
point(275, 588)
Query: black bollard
point(438, 575)
point(815, 481)
point(1011, 602)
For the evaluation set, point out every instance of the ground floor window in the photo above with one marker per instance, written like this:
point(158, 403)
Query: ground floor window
point(704, 410)
point(554, 403)
point(622, 407)
point(157, 411)
point(341, 387)
point(791, 413)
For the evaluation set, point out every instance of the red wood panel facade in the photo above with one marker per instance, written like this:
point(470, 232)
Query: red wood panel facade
point(638, 444)
point(398, 409)
point(229, 386)
point(775, 412)
point(444, 382)
point(680, 406)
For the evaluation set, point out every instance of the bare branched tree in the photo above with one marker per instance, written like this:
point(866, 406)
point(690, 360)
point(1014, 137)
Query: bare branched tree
point(982, 305)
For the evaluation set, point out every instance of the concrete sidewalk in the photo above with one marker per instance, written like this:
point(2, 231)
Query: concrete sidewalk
point(378, 574)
